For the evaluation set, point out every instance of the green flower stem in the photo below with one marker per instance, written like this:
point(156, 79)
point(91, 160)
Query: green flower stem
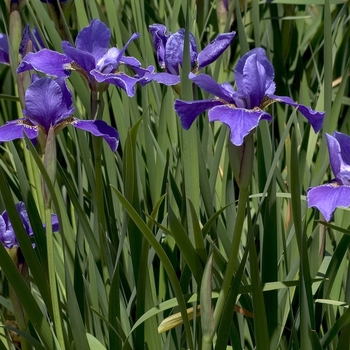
point(231, 265)
point(96, 111)
point(34, 180)
point(52, 279)
point(243, 156)
point(96, 105)
point(99, 204)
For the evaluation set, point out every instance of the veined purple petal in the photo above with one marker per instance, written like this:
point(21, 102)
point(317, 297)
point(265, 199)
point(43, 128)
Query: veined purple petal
point(99, 128)
point(122, 51)
point(327, 198)
point(240, 121)
point(84, 59)
point(46, 103)
point(141, 72)
point(207, 83)
point(315, 118)
point(174, 50)
point(15, 130)
point(212, 51)
point(67, 108)
point(4, 49)
point(2, 225)
point(119, 79)
point(344, 142)
point(334, 154)
point(130, 61)
point(93, 39)
point(260, 56)
point(188, 111)
point(113, 57)
point(255, 81)
point(7, 234)
point(159, 42)
point(46, 61)
point(7, 237)
point(161, 78)
point(108, 62)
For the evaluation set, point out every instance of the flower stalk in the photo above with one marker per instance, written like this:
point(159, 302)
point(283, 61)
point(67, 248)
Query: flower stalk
point(57, 319)
point(243, 155)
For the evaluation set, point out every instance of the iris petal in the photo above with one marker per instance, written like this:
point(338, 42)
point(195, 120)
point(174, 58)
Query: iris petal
point(334, 154)
point(46, 61)
point(212, 51)
point(158, 32)
point(46, 103)
point(207, 83)
point(130, 61)
point(327, 198)
point(7, 235)
point(344, 143)
point(188, 111)
point(2, 231)
point(315, 118)
point(254, 81)
point(162, 78)
point(260, 55)
point(99, 128)
point(14, 130)
point(174, 51)
point(67, 103)
point(84, 59)
point(94, 39)
point(120, 79)
point(240, 121)
point(122, 51)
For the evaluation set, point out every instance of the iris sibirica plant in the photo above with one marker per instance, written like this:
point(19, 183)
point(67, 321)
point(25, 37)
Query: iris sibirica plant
point(170, 48)
point(7, 234)
point(48, 103)
point(90, 57)
point(326, 198)
point(242, 109)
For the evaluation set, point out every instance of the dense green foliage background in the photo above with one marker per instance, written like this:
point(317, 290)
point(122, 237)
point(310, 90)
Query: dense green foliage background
point(169, 196)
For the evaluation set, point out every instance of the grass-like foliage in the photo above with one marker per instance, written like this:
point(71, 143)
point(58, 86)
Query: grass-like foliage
point(170, 233)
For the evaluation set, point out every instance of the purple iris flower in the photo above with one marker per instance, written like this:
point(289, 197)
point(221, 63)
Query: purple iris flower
point(169, 49)
point(7, 234)
point(48, 103)
point(337, 192)
point(90, 57)
point(241, 109)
